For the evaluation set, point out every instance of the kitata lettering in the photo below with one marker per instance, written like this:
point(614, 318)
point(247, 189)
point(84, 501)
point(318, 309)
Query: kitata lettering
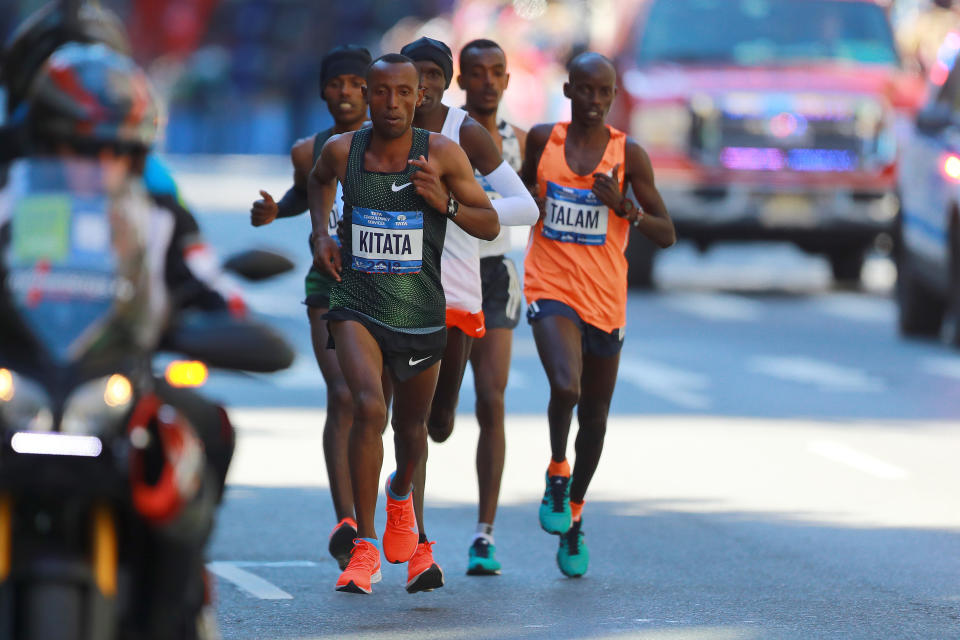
point(383, 242)
point(582, 218)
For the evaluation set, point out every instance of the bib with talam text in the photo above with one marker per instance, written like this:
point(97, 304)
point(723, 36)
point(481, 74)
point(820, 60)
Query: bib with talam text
point(574, 215)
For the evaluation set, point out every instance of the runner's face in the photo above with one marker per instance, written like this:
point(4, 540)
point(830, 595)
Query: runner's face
point(393, 94)
point(433, 83)
point(344, 97)
point(591, 89)
point(483, 76)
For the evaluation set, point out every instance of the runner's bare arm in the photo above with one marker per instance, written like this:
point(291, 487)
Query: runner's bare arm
point(536, 141)
point(514, 206)
point(479, 146)
point(521, 138)
point(294, 201)
point(321, 192)
point(654, 222)
point(449, 172)
point(301, 156)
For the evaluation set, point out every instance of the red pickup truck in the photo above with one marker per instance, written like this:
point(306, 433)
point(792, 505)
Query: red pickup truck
point(768, 120)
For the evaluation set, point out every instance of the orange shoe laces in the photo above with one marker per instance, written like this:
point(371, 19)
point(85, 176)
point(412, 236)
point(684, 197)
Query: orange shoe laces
point(364, 556)
point(400, 516)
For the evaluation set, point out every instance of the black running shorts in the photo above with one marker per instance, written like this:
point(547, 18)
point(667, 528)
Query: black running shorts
point(502, 298)
point(594, 341)
point(406, 354)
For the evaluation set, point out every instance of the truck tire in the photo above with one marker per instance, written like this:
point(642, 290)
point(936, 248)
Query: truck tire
point(640, 256)
point(846, 266)
point(920, 312)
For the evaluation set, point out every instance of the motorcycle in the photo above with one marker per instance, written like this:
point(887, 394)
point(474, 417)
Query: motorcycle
point(109, 475)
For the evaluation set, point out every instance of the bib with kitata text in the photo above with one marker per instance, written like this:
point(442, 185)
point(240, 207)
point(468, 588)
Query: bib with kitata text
point(387, 241)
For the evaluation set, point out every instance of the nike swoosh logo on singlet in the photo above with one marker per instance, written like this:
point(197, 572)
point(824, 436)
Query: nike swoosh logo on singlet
point(395, 188)
point(413, 362)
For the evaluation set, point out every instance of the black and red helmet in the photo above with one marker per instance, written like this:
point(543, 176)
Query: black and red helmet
point(48, 28)
point(90, 93)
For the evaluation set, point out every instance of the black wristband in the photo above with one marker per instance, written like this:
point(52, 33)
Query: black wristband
point(293, 203)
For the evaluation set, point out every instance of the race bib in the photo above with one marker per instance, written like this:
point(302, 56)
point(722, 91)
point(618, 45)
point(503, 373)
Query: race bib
point(387, 241)
point(574, 215)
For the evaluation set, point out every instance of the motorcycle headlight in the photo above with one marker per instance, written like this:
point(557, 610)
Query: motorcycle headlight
point(24, 404)
point(96, 405)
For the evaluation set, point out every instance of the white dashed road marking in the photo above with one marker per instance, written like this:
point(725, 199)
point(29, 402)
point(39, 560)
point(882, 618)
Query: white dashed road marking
point(856, 459)
point(681, 387)
point(826, 375)
point(252, 584)
point(715, 306)
point(947, 367)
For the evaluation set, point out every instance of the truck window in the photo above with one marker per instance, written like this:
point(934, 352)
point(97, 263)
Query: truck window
point(766, 32)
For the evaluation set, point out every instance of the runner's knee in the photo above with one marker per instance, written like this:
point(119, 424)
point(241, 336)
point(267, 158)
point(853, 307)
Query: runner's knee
point(565, 392)
point(440, 424)
point(339, 398)
point(593, 416)
point(489, 402)
point(369, 410)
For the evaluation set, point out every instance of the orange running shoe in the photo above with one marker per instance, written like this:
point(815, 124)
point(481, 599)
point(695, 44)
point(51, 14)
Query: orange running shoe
point(401, 535)
point(423, 574)
point(363, 569)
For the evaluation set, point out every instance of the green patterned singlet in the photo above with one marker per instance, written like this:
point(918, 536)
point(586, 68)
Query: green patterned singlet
point(391, 245)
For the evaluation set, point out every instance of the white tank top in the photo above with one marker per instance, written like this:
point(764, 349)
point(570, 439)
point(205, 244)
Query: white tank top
point(512, 156)
point(460, 260)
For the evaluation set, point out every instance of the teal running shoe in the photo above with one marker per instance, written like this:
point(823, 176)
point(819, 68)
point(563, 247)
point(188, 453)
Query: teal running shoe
point(555, 514)
point(573, 556)
point(483, 560)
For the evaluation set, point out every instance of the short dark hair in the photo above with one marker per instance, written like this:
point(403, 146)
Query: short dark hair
point(479, 43)
point(394, 58)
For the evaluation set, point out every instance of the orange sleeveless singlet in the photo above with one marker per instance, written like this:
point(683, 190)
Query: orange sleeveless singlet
point(575, 252)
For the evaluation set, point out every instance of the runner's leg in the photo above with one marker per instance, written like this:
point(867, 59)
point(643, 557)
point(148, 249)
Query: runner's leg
point(443, 408)
point(490, 358)
point(599, 379)
point(336, 429)
point(361, 361)
point(559, 343)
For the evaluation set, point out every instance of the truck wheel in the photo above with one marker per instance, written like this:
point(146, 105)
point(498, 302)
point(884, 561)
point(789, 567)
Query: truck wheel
point(920, 312)
point(640, 256)
point(846, 266)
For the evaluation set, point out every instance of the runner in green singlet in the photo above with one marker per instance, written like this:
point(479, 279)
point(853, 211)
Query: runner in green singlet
point(342, 73)
point(387, 310)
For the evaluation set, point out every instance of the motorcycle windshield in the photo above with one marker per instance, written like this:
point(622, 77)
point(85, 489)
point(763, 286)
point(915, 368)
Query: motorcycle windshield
point(76, 264)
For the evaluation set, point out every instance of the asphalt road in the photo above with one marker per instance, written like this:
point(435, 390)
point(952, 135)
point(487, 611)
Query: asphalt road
point(778, 464)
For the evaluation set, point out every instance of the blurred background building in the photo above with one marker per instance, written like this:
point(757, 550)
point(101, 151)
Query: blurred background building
point(240, 76)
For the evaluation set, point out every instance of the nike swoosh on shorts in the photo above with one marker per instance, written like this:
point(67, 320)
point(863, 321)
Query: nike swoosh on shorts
point(395, 188)
point(414, 363)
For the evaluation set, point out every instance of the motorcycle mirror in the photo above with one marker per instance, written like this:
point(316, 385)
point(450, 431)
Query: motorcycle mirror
point(258, 264)
point(225, 342)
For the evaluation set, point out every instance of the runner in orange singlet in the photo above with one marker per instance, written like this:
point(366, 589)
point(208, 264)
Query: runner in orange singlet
point(575, 279)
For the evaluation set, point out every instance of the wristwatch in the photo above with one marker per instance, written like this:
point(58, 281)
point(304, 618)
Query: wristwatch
point(628, 208)
point(452, 207)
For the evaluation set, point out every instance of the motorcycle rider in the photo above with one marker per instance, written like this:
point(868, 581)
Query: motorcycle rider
point(89, 101)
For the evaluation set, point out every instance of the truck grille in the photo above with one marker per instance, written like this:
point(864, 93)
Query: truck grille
point(785, 140)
